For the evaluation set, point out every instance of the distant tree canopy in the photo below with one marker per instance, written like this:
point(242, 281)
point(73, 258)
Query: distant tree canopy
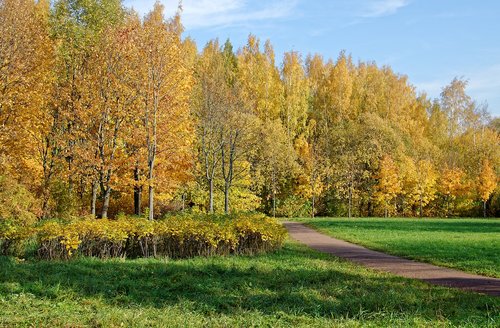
point(99, 106)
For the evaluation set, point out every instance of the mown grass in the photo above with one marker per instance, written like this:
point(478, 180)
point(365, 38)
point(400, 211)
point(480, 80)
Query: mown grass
point(471, 245)
point(291, 287)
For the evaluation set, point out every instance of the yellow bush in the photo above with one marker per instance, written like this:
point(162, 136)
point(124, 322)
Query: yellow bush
point(172, 237)
point(13, 238)
point(50, 236)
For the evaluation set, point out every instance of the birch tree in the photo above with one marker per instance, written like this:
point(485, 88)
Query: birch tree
point(165, 87)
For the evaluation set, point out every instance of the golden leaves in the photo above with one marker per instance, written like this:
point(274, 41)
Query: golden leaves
point(487, 181)
point(389, 182)
point(173, 237)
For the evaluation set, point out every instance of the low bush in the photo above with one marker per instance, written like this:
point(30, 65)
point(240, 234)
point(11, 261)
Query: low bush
point(14, 238)
point(175, 237)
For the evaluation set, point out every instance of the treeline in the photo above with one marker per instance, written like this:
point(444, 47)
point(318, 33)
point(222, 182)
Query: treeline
point(102, 111)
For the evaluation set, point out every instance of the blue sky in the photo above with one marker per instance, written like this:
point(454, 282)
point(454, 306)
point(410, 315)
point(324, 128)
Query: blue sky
point(431, 41)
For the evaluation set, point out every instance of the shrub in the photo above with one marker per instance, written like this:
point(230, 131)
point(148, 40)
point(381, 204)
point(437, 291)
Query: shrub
point(13, 238)
point(257, 234)
point(50, 238)
point(176, 237)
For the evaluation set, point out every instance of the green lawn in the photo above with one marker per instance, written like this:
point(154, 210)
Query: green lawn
point(292, 287)
point(468, 244)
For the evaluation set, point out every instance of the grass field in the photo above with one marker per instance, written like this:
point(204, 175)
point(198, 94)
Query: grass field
point(471, 245)
point(292, 287)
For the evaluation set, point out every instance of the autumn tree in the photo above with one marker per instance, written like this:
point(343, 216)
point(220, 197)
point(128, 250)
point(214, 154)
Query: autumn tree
point(210, 75)
point(77, 27)
point(296, 94)
point(419, 183)
point(389, 183)
point(275, 159)
point(459, 107)
point(97, 103)
point(352, 152)
point(27, 122)
point(333, 97)
point(312, 165)
point(261, 87)
point(112, 108)
point(164, 94)
point(451, 185)
point(239, 125)
point(236, 141)
point(461, 114)
point(487, 183)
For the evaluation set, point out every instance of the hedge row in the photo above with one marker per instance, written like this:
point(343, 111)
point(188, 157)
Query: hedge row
point(174, 237)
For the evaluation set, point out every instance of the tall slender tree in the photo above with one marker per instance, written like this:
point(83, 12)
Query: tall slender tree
point(164, 95)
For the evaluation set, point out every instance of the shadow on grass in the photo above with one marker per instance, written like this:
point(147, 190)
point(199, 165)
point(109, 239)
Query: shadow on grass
point(293, 281)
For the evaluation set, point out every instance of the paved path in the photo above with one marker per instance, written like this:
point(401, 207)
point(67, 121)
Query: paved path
point(393, 264)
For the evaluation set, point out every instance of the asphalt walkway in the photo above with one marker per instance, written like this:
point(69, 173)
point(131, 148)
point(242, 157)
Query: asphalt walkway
point(393, 264)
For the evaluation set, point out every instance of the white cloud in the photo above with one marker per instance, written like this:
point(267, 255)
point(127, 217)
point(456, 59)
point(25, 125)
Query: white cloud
point(221, 13)
point(383, 8)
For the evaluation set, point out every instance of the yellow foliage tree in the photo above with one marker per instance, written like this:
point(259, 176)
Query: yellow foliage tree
point(164, 87)
point(261, 87)
point(112, 108)
point(487, 183)
point(26, 121)
point(389, 183)
point(419, 183)
point(294, 113)
point(451, 185)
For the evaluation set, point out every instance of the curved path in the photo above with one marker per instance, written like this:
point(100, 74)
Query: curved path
point(393, 264)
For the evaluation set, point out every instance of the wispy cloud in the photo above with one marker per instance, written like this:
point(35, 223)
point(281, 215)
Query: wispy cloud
point(432, 87)
point(381, 8)
point(484, 85)
point(487, 79)
point(233, 12)
point(222, 13)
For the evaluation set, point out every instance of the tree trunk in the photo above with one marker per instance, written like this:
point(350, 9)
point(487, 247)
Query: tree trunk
point(273, 181)
point(370, 208)
point(211, 196)
point(228, 174)
point(151, 187)
point(484, 208)
point(420, 206)
point(447, 207)
point(151, 202)
point(45, 204)
point(350, 202)
point(46, 194)
point(312, 210)
point(274, 204)
point(137, 192)
point(105, 203)
point(94, 199)
point(226, 198)
point(70, 174)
